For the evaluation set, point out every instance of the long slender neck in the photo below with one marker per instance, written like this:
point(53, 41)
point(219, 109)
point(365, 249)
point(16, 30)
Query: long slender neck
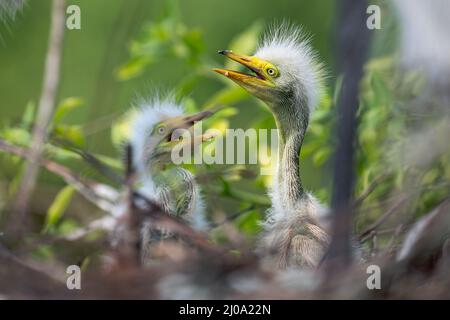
point(292, 120)
point(146, 169)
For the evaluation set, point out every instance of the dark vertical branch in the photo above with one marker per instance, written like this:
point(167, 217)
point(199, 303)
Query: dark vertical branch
point(45, 112)
point(353, 44)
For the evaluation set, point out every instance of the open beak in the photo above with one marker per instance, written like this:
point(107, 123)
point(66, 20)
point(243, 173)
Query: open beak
point(179, 126)
point(254, 64)
point(186, 122)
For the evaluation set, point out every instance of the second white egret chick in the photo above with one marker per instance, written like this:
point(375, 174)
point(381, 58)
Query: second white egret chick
point(155, 131)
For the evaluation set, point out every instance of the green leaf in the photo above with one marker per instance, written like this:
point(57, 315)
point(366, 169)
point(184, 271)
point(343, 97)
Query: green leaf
point(379, 64)
point(132, 68)
point(15, 182)
point(321, 156)
point(66, 106)
point(58, 207)
point(120, 130)
point(28, 115)
point(190, 105)
point(430, 176)
point(380, 89)
point(249, 223)
point(74, 134)
point(17, 136)
point(67, 226)
point(193, 40)
point(228, 112)
point(43, 252)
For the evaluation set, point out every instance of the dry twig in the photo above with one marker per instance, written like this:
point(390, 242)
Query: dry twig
point(45, 112)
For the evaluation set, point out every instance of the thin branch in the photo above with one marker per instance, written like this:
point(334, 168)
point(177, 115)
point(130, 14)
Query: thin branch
point(377, 233)
point(163, 220)
point(19, 279)
point(391, 246)
point(96, 163)
point(87, 188)
point(383, 218)
point(373, 185)
point(233, 216)
point(45, 112)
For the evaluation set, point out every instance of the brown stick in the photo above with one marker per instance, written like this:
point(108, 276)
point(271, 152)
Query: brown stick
point(383, 218)
point(162, 219)
point(373, 185)
point(45, 112)
point(84, 186)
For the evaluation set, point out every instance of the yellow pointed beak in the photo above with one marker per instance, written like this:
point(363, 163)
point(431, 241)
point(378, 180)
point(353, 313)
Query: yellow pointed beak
point(255, 64)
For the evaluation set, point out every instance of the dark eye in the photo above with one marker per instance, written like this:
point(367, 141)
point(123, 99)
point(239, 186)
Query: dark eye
point(271, 72)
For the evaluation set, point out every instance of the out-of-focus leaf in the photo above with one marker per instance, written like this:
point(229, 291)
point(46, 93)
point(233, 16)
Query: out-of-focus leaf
point(381, 91)
point(227, 112)
point(58, 207)
point(15, 183)
point(190, 106)
point(85, 264)
point(111, 162)
point(310, 147)
point(17, 136)
point(67, 226)
point(43, 252)
point(193, 40)
point(28, 115)
point(74, 134)
point(120, 130)
point(132, 68)
point(323, 195)
point(150, 50)
point(66, 106)
point(61, 154)
point(249, 222)
point(318, 129)
point(321, 156)
point(380, 64)
point(430, 176)
point(220, 125)
point(323, 110)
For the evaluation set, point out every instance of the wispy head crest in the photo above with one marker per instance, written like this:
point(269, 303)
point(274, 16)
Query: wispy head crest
point(288, 45)
point(284, 34)
point(149, 111)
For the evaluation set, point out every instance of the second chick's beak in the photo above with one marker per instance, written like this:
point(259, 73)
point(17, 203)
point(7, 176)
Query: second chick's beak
point(181, 125)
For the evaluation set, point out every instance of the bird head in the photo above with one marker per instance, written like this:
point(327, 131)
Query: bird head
point(169, 132)
point(283, 70)
point(159, 127)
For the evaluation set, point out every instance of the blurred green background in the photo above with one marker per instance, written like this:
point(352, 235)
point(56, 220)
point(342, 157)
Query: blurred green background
point(93, 54)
